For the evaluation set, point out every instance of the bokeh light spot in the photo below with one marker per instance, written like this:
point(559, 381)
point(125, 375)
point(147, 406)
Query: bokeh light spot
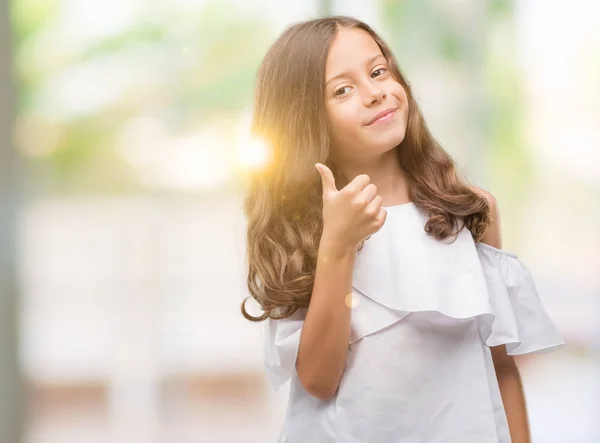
point(352, 300)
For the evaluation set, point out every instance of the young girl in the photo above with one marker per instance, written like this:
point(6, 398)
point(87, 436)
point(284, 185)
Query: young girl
point(388, 301)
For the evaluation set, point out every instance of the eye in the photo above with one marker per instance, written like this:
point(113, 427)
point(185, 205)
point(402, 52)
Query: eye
point(340, 91)
point(382, 70)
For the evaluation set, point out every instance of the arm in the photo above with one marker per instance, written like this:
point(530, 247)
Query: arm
point(326, 331)
point(349, 216)
point(507, 372)
point(513, 398)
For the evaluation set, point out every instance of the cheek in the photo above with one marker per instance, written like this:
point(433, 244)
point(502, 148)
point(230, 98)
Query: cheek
point(342, 121)
point(400, 94)
point(398, 91)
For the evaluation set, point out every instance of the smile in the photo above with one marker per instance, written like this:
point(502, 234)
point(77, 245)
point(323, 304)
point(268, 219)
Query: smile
point(383, 117)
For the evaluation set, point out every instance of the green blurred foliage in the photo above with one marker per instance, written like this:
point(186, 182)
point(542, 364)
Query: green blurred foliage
point(204, 66)
point(30, 17)
point(199, 75)
point(415, 26)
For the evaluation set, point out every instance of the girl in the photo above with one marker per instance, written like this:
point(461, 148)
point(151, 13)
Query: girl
point(388, 301)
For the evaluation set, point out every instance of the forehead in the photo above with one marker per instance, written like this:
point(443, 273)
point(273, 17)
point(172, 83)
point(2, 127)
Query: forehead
point(349, 50)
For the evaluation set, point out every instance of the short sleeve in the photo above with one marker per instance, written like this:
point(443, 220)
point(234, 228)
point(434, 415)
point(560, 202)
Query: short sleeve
point(281, 341)
point(521, 322)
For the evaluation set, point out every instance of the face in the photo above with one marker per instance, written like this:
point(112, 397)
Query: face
point(366, 107)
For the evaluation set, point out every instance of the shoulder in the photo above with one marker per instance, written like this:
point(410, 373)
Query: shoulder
point(492, 234)
point(489, 197)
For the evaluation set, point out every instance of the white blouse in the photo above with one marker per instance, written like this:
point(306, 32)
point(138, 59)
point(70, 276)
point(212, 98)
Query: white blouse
point(419, 367)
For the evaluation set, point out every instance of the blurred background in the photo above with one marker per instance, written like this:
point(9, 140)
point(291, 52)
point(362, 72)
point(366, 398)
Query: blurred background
point(123, 138)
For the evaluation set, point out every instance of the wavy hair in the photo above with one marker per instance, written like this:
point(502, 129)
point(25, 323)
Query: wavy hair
point(283, 203)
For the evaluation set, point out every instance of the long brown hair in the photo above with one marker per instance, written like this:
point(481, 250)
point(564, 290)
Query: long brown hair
point(283, 204)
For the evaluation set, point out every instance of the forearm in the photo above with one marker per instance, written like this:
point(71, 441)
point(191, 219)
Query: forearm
point(326, 331)
point(513, 398)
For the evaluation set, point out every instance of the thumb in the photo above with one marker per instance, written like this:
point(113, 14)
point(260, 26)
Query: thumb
point(326, 177)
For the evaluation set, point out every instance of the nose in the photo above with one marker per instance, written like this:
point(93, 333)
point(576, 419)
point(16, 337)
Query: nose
point(373, 94)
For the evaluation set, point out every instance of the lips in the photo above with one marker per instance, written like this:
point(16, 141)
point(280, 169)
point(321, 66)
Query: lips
point(381, 116)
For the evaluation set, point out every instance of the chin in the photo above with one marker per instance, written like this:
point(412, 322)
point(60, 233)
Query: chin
point(390, 142)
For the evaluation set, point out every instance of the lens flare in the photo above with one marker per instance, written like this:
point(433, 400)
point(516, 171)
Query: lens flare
point(254, 153)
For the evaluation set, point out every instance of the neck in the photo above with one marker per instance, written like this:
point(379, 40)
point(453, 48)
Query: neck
point(385, 173)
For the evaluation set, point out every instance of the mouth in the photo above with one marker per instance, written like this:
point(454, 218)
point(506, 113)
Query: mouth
point(383, 116)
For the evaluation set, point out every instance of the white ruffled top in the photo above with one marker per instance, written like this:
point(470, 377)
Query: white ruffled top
point(419, 366)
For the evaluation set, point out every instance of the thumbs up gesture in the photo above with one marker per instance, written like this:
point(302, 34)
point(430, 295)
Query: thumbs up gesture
point(353, 213)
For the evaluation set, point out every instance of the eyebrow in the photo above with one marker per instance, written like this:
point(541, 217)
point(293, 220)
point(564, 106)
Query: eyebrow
point(343, 74)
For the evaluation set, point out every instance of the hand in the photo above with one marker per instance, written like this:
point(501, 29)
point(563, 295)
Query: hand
point(353, 213)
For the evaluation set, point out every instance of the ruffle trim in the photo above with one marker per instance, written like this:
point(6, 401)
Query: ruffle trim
point(497, 289)
point(520, 321)
point(281, 340)
point(508, 307)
